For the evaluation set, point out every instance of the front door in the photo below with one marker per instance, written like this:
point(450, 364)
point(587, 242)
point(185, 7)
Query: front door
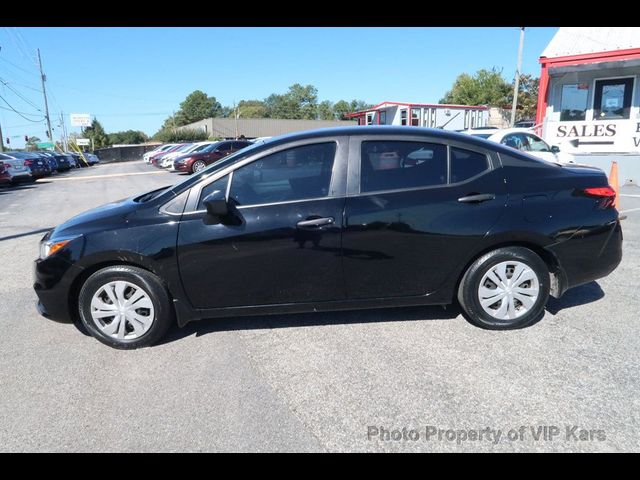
point(282, 242)
point(415, 216)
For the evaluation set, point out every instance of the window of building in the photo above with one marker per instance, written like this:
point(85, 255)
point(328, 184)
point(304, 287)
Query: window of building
point(415, 117)
point(403, 117)
point(573, 102)
point(383, 117)
point(391, 165)
point(466, 119)
point(612, 98)
point(369, 118)
point(432, 122)
point(466, 164)
point(294, 174)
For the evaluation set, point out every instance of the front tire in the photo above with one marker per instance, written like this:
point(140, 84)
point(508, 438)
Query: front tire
point(125, 307)
point(505, 289)
point(197, 166)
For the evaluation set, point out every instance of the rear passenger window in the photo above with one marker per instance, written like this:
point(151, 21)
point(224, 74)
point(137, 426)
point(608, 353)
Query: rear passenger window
point(392, 165)
point(466, 164)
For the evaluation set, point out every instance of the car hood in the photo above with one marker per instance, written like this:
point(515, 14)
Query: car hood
point(104, 217)
point(189, 155)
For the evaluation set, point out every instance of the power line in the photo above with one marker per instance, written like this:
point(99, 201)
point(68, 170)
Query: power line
point(6, 84)
point(22, 114)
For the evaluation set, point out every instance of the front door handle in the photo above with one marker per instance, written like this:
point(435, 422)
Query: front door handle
point(315, 222)
point(477, 198)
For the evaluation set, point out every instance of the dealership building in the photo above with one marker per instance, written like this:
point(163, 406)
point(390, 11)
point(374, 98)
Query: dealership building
point(448, 117)
point(589, 96)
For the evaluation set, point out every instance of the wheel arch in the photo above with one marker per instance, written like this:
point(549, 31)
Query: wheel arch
point(557, 277)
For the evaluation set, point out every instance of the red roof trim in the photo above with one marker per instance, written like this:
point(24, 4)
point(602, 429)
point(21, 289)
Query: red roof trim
point(594, 57)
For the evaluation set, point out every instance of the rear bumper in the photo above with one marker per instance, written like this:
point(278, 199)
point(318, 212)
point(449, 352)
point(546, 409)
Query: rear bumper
point(590, 254)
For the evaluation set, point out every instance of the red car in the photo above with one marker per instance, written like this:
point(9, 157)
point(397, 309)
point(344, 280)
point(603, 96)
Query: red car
point(153, 159)
point(4, 175)
point(194, 162)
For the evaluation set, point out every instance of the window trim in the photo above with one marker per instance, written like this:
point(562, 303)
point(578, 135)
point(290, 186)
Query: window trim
point(355, 149)
point(631, 104)
point(337, 185)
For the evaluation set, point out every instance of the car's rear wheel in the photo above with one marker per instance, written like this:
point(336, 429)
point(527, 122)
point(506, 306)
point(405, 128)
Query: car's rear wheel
point(125, 307)
point(504, 289)
point(197, 166)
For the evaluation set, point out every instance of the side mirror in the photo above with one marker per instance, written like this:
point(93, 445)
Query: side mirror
point(555, 149)
point(216, 204)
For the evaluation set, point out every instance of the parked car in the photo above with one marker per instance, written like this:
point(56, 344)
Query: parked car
point(15, 169)
point(525, 124)
point(153, 159)
point(310, 222)
point(167, 160)
point(159, 161)
point(197, 161)
point(65, 162)
point(160, 148)
point(78, 159)
point(37, 164)
point(527, 141)
point(91, 158)
point(4, 175)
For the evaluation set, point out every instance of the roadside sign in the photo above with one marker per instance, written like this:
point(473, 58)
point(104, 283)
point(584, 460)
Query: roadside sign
point(80, 119)
point(45, 145)
point(83, 142)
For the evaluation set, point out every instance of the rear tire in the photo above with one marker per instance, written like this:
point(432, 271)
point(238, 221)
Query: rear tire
point(125, 307)
point(505, 289)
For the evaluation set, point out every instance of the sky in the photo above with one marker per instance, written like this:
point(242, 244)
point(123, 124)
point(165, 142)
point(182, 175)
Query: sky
point(133, 78)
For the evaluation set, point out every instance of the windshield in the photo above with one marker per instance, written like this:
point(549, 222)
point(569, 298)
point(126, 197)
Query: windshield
point(199, 148)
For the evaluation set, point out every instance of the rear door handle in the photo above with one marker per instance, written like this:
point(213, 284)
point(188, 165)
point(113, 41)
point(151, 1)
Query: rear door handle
point(315, 223)
point(481, 197)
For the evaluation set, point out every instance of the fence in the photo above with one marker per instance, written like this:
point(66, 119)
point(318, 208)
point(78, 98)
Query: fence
point(123, 154)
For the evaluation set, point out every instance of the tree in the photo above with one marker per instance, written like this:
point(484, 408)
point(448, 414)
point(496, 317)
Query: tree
point(128, 137)
point(298, 103)
point(31, 143)
point(341, 108)
point(325, 111)
point(252, 109)
point(97, 134)
point(527, 97)
point(485, 87)
point(197, 106)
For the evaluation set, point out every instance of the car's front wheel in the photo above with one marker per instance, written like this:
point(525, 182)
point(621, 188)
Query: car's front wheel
point(197, 166)
point(125, 307)
point(504, 289)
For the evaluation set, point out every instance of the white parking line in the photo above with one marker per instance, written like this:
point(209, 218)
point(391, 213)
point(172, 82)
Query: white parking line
point(627, 195)
point(91, 177)
point(630, 210)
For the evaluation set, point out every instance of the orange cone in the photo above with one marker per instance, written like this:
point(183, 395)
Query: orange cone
point(613, 181)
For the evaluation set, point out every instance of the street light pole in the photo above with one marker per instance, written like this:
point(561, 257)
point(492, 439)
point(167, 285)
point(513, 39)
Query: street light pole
point(517, 82)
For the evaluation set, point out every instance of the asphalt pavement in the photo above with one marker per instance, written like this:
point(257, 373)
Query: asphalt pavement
point(402, 379)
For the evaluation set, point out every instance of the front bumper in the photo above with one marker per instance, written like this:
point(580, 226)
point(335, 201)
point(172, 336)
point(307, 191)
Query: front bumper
point(53, 279)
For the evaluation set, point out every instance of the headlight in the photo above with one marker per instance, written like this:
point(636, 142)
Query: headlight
point(49, 247)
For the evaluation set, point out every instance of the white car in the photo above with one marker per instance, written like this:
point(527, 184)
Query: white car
point(15, 169)
point(167, 160)
point(160, 148)
point(525, 140)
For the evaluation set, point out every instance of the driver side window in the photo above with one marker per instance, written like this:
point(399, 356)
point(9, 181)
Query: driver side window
point(297, 173)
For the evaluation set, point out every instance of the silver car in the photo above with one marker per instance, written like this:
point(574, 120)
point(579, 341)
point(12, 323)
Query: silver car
point(16, 169)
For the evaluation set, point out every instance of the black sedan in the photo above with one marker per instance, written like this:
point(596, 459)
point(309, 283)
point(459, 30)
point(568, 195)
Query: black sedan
point(346, 218)
point(38, 164)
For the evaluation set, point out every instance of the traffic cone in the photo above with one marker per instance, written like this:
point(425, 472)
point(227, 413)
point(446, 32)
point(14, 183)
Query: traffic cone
point(613, 181)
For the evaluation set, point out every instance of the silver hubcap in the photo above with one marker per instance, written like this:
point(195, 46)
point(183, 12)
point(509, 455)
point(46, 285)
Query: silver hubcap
point(508, 290)
point(122, 310)
point(198, 166)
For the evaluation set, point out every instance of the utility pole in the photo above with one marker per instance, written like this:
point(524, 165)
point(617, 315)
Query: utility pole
point(1, 140)
point(46, 104)
point(517, 82)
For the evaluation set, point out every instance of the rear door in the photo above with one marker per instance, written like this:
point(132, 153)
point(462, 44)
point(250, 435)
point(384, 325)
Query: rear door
point(414, 211)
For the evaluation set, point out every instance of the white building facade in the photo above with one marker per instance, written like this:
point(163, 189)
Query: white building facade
point(448, 117)
point(589, 97)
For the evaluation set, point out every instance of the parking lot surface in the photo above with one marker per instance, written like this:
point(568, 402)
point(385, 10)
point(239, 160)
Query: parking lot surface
point(362, 380)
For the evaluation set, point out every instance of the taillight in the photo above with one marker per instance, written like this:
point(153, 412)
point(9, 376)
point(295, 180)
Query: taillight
point(28, 163)
point(607, 193)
